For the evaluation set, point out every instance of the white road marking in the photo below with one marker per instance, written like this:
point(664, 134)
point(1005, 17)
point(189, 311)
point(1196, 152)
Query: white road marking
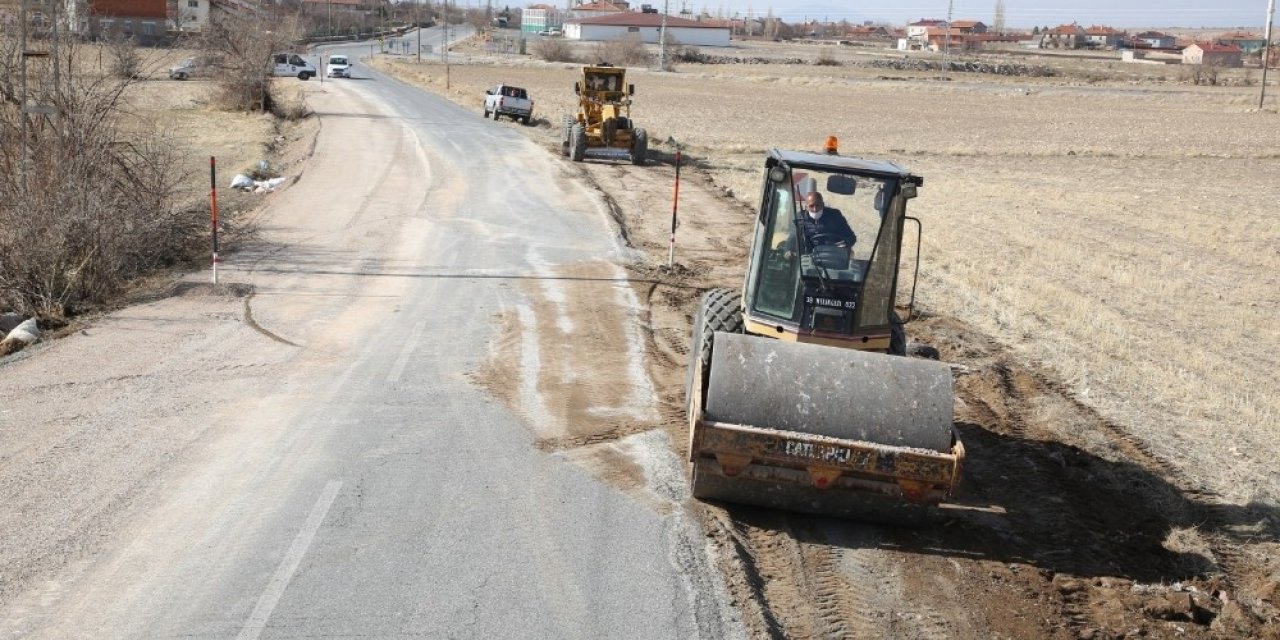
point(398, 369)
point(289, 565)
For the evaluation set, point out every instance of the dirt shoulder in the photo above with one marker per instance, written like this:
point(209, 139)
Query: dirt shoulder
point(1095, 520)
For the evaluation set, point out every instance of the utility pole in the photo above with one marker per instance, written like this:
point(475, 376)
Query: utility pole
point(446, 43)
point(662, 39)
point(417, 22)
point(946, 35)
point(999, 21)
point(1266, 51)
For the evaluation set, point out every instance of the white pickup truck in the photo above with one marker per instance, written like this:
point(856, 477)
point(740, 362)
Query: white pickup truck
point(506, 100)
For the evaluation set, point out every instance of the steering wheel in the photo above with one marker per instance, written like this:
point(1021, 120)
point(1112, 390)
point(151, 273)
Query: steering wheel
point(829, 251)
point(827, 239)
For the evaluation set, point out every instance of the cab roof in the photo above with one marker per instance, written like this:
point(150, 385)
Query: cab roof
point(879, 168)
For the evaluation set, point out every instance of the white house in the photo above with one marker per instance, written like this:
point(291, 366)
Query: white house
point(191, 15)
point(917, 30)
point(647, 26)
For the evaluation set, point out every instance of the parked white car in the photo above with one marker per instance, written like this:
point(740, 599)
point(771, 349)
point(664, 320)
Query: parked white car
point(292, 64)
point(339, 66)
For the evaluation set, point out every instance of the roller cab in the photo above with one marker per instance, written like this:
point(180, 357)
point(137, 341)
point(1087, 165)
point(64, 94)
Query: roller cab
point(798, 394)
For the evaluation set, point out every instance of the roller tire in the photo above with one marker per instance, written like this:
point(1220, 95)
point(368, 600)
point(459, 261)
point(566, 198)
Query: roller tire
point(578, 143)
point(639, 147)
point(897, 336)
point(719, 310)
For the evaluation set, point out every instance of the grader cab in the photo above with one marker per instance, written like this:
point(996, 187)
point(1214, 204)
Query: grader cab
point(602, 127)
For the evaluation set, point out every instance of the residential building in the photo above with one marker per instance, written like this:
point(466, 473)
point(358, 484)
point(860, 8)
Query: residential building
point(145, 21)
point(866, 33)
point(189, 15)
point(1064, 36)
point(595, 9)
point(1249, 43)
point(1212, 54)
point(938, 39)
point(1154, 40)
point(969, 26)
point(40, 12)
point(917, 30)
point(1103, 37)
point(646, 27)
point(540, 17)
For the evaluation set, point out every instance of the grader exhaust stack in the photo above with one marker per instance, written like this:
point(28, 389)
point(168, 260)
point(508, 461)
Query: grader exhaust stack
point(799, 396)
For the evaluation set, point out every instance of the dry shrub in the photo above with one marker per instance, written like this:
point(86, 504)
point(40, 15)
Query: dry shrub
point(1199, 74)
point(122, 52)
point(85, 207)
point(288, 101)
point(623, 52)
point(826, 59)
point(690, 53)
point(553, 50)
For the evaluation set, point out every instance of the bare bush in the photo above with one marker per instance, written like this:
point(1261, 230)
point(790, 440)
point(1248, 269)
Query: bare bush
point(1198, 74)
point(826, 59)
point(553, 50)
point(690, 53)
point(84, 206)
point(624, 52)
point(122, 52)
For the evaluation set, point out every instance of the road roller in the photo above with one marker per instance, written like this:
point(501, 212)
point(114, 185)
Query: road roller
point(800, 393)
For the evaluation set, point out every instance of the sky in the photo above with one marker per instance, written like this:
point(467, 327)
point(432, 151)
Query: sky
point(1018, 13)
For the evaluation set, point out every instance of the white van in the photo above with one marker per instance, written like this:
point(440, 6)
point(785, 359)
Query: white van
point(292, 64)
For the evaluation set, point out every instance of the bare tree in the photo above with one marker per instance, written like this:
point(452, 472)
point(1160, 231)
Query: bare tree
point(245, 47)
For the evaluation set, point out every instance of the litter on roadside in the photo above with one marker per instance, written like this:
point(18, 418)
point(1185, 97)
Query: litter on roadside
point(245, 183)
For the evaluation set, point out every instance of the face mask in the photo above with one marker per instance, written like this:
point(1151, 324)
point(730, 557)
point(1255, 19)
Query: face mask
point(816, 216)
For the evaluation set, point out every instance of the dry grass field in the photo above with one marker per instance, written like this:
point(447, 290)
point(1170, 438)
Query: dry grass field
point(1100, 262)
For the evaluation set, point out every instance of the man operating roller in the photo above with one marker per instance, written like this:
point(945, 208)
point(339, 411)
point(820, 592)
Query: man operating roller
point(825, 225)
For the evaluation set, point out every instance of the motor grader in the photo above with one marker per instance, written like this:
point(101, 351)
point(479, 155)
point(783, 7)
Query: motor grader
point(602, 127)
point(798, 393)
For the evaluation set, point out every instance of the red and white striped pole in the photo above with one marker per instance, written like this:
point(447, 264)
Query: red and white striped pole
point(213, 197)
point(675, 206)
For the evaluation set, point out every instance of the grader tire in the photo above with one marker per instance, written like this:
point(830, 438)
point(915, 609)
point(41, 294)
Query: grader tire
point(639, 147)
point(578, 143)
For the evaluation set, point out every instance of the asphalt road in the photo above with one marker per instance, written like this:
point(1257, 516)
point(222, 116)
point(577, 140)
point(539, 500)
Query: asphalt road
point(315, 460)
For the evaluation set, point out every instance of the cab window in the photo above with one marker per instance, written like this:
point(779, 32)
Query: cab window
point(779, 270)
